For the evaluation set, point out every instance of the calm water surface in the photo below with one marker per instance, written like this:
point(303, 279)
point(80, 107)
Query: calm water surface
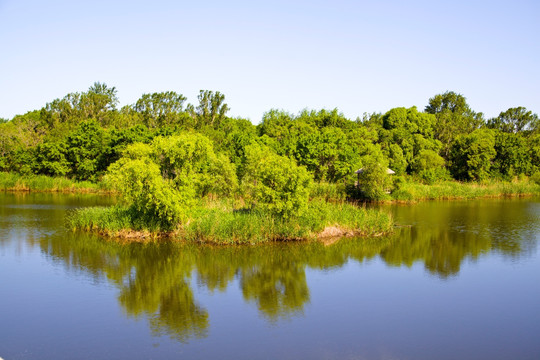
point(460, 281)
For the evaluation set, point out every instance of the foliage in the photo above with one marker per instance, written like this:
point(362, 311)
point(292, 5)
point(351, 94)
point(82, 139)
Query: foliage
point(512, 155)
point(533, 143)
point(189, 161)
point(200, 150)
point(160, 109)
point(221, 225)
point(85, 147)
point(536, 177)
point(98, 103)
point(275, 183)
point(151, 197)
point(374, 181)
point(471, 155)
point(429, 167)
point(453, 116)
point(160, 180)
point(328, 191)
point(211, 110)
point(51, 159)
point(515, 120)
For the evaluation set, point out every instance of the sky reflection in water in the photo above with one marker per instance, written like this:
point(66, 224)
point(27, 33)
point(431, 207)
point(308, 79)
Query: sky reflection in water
point(458, 279)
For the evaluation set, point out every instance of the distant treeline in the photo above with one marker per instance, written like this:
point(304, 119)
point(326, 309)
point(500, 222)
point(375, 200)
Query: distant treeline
point(80, 135)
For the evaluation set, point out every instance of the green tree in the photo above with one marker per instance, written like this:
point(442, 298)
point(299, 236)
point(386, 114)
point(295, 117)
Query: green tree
point(98, 102)
point(119, 139)
point(211, 110)
point(403, 134)
point(429, 166)
point(533, 144)
point(471, 155)
point(515, 120)
point(159, 109)
point(453, 117)
point(374, 180)
point(18, 140)
point(85, 148)
point(326, 118)
point(237, 134)
point(275, 183)
point(188, 159)
point(512, 155)
point(51, 159)
point(152, 199)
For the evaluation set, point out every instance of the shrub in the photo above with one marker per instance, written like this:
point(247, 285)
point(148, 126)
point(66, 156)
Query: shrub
point(374, 181)
point(145, 191)
point(536, 177)
point(275, 183)
point(471, 155)
point(429, 167)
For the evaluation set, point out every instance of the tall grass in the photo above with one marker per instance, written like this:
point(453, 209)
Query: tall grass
point(413, 191)
point(42, 183)
point(215, 224)
point(328, 191)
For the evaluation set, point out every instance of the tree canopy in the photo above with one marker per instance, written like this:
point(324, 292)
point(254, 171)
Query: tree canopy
point(200, 150)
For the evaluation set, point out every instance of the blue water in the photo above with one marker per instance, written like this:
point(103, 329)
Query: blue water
point(460, 280)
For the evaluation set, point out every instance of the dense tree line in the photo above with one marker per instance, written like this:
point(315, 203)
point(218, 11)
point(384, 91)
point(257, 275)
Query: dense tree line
point(82, 134)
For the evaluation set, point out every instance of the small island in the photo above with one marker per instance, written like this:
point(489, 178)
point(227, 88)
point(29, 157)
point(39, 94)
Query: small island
point(177, 187)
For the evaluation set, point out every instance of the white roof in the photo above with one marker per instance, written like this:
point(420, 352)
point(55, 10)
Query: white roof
point(388, 171)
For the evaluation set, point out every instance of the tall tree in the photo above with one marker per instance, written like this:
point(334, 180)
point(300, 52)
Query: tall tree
point(472, 155)
point(515, 120)
point(160, 108)
point(453, 117)
point(211, 109)
point(98, 103)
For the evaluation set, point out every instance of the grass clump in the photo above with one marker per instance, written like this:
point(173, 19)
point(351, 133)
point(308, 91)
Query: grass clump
point(114, 221)
point(221, 225)
point(328, 191)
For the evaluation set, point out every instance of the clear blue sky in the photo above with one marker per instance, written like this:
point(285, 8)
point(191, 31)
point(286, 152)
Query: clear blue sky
point(358, 56)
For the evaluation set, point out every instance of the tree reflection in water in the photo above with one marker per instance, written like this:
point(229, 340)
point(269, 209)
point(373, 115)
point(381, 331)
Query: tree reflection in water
point(155, 280)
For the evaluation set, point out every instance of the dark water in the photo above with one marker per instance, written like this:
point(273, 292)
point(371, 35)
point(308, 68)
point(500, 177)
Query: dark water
point(462, 282)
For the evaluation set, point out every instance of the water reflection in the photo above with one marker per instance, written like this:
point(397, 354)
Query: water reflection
point(155, 281)
point(443, 234)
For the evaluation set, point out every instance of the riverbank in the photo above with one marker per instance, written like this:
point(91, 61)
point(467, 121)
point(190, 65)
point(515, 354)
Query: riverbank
point(43, 183)
point(405, 190)
point(409, 191)
point(218, 223)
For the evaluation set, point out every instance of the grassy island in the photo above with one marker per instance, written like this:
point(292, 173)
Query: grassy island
point(222, 225)
point(178, 187)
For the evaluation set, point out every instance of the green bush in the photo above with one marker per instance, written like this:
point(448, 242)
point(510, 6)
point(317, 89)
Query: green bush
point(536, 177)
point(152, 197)
point(374, 181)
point(429, 167)
point(275, 183)
point(471, 155)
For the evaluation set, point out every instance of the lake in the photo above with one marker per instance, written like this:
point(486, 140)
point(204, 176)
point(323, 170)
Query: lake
point(457, 280)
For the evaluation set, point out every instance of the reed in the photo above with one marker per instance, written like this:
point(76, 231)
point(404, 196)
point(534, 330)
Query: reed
point(414, 191)
point(43, 183)
point(216, 224)
point(328, 191)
